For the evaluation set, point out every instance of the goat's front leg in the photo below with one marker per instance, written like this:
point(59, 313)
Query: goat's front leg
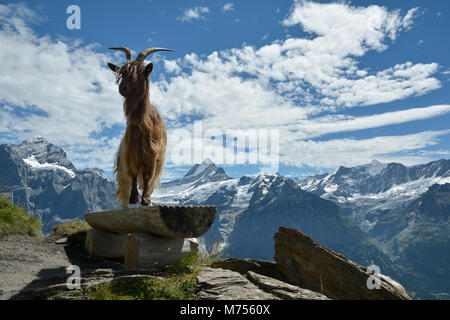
point(146, 196)
point(134, 195)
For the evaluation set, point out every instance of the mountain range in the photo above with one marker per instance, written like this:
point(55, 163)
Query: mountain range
point(385, 214)
point(405, 210)
point(366, 192)
point(37, 176)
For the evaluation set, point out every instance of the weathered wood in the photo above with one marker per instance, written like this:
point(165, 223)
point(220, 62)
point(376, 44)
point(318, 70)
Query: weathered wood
point(165, 221)
point(105, 244)
point(148, 251)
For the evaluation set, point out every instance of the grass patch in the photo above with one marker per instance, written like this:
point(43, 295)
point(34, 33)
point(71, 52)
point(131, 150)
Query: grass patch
point(179, 283)
point(172, 287)
point(15, 220)
point(75, 231)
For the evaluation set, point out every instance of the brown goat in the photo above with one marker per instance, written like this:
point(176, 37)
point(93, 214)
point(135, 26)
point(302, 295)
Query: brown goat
point(141, 154)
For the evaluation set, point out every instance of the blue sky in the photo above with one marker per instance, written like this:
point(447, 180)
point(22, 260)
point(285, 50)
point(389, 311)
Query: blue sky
point(343, 82)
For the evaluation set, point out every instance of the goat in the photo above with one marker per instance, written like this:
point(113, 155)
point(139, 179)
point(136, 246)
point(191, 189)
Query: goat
point(141, 154)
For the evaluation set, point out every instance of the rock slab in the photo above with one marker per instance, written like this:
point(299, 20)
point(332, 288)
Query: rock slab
point(283, 290)
point(222, 284)
point(309, 265)
point(164, 221)
point(244, 265)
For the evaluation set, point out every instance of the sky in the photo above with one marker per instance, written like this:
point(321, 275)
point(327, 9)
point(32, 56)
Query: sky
point(339, 82)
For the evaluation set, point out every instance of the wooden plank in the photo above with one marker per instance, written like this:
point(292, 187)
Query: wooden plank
point(105, 244)
point(165, 221)
point(148, 251)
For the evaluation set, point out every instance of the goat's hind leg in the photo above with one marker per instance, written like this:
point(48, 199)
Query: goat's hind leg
point(134, 195)
point(146, 195)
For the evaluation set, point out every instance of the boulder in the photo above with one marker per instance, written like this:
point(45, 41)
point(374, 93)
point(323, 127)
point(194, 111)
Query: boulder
point(283, 290)
point(164, 221)
point(222, 284)
point(244, 265)
point(309, 265)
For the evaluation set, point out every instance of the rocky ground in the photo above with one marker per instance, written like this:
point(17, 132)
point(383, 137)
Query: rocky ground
point(35, 268)
point(31, 263)
point(27, 263)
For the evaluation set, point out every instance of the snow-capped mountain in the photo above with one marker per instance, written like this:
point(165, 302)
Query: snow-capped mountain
point(368, 191)
point(198, 185)
point(389, 202)
point(38, 176)
point(418, 238)
point(250, 211)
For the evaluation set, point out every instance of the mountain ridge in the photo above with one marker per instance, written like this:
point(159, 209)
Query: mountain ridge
point(37, 176)
point(337, 214)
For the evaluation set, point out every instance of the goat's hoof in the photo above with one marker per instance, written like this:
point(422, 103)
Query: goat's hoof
point(134, 198)
point(146, 202)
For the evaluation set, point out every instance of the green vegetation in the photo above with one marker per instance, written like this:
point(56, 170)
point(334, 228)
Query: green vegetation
point(179, 284)
point(75, 231)
point(173, 287)
point(15, 220)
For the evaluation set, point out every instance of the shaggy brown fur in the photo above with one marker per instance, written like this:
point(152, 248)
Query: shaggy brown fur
point(141, 154)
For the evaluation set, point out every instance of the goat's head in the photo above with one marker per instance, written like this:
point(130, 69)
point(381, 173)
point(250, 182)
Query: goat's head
point(133, 76)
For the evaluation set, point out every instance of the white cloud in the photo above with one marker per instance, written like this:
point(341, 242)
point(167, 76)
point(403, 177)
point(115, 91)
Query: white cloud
point(321, 126)
point(407, 20)
point(66, 93)
point(327, 63)
point(340, 19)
point(172, 66)
point(351, 152)
point(61, 91)
point(392, 84)
point(228, 7)
point(196, 13)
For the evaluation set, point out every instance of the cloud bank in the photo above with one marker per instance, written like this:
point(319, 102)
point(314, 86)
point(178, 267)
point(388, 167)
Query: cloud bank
point(302, 86)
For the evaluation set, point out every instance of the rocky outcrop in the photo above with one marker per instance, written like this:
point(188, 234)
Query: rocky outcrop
point(266, 276)
point(283, 290)
point(309, 265)
point(222, 284)
point(262, 267)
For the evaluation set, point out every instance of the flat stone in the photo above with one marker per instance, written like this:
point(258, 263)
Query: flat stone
point(222, 284)
point(165, 221)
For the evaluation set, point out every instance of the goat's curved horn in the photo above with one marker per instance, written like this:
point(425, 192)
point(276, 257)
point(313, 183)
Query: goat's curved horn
point(141, 57)
point(124, 49)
